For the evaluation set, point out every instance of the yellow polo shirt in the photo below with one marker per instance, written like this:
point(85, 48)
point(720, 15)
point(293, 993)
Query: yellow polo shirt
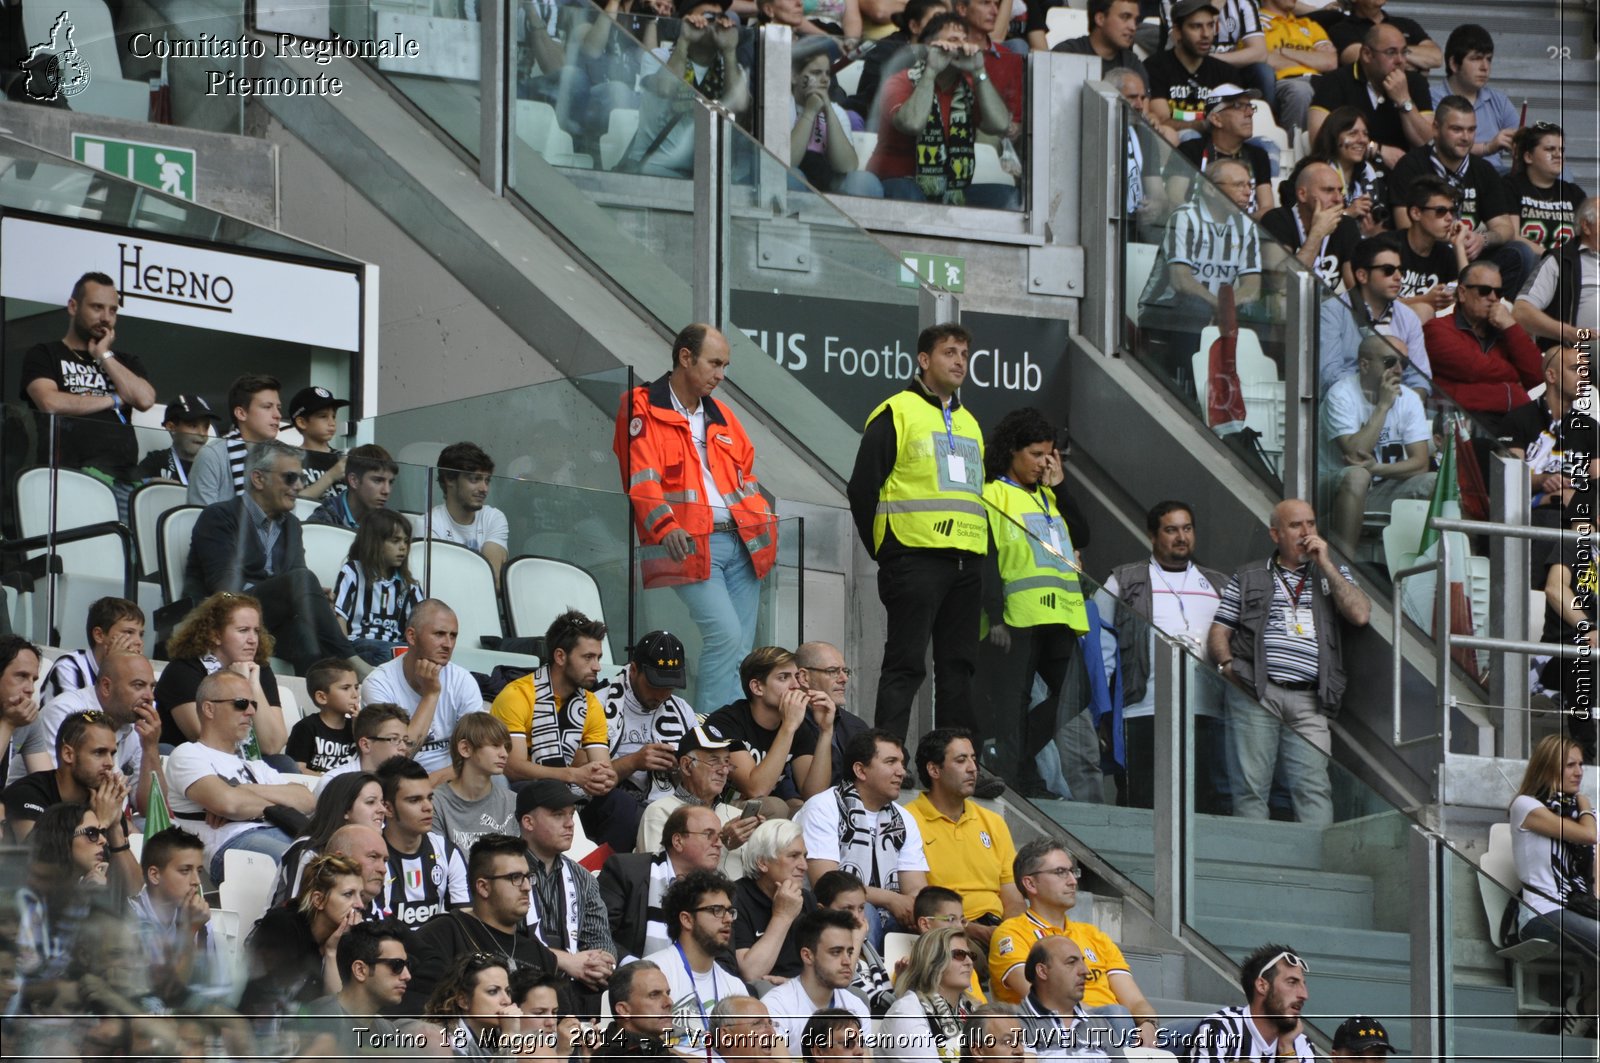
point(527, 707)
point(972, 855)
point(1013, 939)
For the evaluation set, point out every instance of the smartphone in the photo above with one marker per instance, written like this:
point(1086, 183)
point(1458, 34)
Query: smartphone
point(752, 809)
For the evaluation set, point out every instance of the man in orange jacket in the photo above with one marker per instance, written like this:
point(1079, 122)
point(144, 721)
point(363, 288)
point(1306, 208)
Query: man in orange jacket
point(704, 526)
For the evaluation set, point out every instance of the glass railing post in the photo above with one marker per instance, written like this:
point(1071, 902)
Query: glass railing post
point(1101, 200)
point(774, 91)
point(1508, 601)
point(1431, 932)
point(1301, 313)
point(712, 158)
point(496, 94)
point(935, 306)
point(1174, 772)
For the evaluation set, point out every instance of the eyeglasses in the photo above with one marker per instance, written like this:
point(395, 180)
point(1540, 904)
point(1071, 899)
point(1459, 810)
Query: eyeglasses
point(1485, 290)
point(715, 765)
point(1062, 873)
point(720, 911)
point(402, 740)
point(1385, 270)
point(945, 919)
point(1287, 957)
point(94, 834)
point(836, 670)
point(708, 835)
point(1438, 212)
point(395, 965)
point(961, 955)
point(239, 704)
point(518, 879)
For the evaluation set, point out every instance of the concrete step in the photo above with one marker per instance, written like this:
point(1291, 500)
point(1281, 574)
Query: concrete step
point(1243, 891)
point(1109, 829)
point(1324, 941)
point(1475, 1044)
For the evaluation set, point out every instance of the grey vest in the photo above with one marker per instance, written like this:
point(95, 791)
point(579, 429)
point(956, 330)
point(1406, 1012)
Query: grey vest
point(1248, 644)
point(1133, 643)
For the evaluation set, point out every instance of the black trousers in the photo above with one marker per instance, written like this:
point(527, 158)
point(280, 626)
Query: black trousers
point(929, 594)
point(297, 613)
point(1006, 679)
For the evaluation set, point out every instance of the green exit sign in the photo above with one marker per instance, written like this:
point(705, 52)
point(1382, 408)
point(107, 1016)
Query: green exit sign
point(941, 271)
point(159, 166)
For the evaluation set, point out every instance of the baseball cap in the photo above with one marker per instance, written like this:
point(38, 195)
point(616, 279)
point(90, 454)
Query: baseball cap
point(1362, 1034)
point(186, 409)
point(1184, 8)
point(544, 793)
point(700, 738)
point(1227, 93)
point(309, 400)
point(660, 656)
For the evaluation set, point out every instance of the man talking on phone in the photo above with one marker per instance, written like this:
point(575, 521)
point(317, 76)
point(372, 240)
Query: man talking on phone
point(1380, 431)
point(1278, 635)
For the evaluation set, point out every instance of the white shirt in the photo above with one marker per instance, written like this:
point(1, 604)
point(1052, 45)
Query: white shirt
point(458, 695)
point(697, 429)
point(40, 736)
point(488, 526)
point(1532, 853)
point(693, 997)
point(1346, 408)
point(790, 1008)
point(191, 762)
point(905, 1035)
point(895, 851)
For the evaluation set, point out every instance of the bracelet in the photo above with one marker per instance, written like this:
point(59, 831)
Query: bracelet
point(124, 847)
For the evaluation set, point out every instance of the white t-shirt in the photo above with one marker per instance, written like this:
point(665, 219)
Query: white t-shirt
point(458, 695)
point(1534, 856)
point(488, 526)
point(1346, 408)
point(892, 837)
point(790, 1008)
point(904, 1034)
point(40, 735)
point(1181, 605)
point(693, 998)
point(191, 762)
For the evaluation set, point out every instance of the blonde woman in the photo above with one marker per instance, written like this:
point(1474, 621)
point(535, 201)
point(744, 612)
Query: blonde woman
point(924, 1023)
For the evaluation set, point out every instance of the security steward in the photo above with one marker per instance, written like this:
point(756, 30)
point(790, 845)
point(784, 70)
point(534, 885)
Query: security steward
point(1032, 601)
point(705, 527)
point(916, 496)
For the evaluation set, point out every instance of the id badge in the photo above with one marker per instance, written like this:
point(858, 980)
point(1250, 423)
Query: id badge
point(1055, 541)
point(1305, 626)
point(956, 466)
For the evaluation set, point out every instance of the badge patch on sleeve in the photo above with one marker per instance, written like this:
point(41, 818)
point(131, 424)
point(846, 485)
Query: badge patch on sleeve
point(636, 426)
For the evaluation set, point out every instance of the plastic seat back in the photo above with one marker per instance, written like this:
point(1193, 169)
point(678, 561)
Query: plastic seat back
point(539, 589)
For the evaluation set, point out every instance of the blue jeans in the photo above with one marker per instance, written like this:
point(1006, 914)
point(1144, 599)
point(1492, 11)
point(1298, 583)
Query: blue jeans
point(1121, 1019)
point(1289, 732)
point(269, 841)
point(1568, 929)
point(724, 608)
point(374, 651)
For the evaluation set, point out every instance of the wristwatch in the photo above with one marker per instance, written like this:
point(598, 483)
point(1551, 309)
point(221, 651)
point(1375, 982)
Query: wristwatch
point(1408, 107)
point(983, 75)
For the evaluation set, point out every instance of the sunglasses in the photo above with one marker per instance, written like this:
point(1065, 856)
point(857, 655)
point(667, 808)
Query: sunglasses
point(239, 704)
point(395, 966)
point(1439, 212)
point(1486, 290)
point(1384, 270)
point(1286, 957)
point(289, 478)
point(960, 954)
point(94, 834)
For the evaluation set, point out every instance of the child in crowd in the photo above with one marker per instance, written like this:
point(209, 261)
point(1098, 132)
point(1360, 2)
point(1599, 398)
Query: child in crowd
point(476, 800)
point(113, 624)
point(188, 420)
point(327, 739)
point(314, 413)
point(374, 593)
point(173, 920)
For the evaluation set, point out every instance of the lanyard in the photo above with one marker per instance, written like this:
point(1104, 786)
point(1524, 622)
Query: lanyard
point(1038, 498)
point(1294, 596)
point(1176, 593)
point(949, 427)
point(177, 467)
point(694, 987)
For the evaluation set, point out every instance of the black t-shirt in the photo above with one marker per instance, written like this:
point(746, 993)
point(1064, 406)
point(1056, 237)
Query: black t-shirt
point(737, 721)
point(177, 685)
point(1282, 224)
point(105, 440)
point(318, 746)
point(1578, 557)
point(1482, 189)
point(26, 799)
point(1549, 216)
point(1170, 80)
point(1418, 273)
point(315, 464)
point(1082, 46)
point(1345, 30)
point(1347, 87)
point(755, 912)
point(1201, 153)
point(164, 464)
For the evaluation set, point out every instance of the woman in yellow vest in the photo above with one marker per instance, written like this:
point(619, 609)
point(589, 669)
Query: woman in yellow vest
point(1032, 603)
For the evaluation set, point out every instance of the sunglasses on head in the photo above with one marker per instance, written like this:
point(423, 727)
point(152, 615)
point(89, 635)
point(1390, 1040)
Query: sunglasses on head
point(1284, 957)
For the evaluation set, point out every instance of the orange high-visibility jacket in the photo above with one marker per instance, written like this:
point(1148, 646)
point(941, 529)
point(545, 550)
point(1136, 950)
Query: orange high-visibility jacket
point(661, 473)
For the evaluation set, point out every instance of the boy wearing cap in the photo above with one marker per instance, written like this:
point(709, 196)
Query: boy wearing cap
point(188, 420)
point(645, 720)
point(566, 912)
point(703, 762)
point(314, 413)
point(1229, 125)
point(1362, 1037)
point(1184, 75)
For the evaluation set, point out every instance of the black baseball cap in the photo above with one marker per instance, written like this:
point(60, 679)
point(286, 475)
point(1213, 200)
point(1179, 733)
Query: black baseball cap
point(1184, 8)
point(186, 409)
point(683, 7)
point(309, 400)
point(660, 656)
point(545, 793)
point(700, 738)
point(1362, 1034)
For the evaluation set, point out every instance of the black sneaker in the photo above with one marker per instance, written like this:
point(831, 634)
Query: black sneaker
point(989, 786)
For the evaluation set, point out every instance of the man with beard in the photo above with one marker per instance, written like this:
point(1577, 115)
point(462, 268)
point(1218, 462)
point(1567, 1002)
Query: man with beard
point(94, 389)
point(542, 707)
point(645, 718)
point(828, 955)
point(699, 913)
point(1274, 982)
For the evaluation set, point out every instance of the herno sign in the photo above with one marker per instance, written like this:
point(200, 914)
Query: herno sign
point(854, 355)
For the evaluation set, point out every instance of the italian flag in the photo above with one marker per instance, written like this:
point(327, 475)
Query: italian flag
point(156, 816)
point(1446, 503)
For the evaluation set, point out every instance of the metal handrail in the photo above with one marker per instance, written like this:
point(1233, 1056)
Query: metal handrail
point(1442, 634)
